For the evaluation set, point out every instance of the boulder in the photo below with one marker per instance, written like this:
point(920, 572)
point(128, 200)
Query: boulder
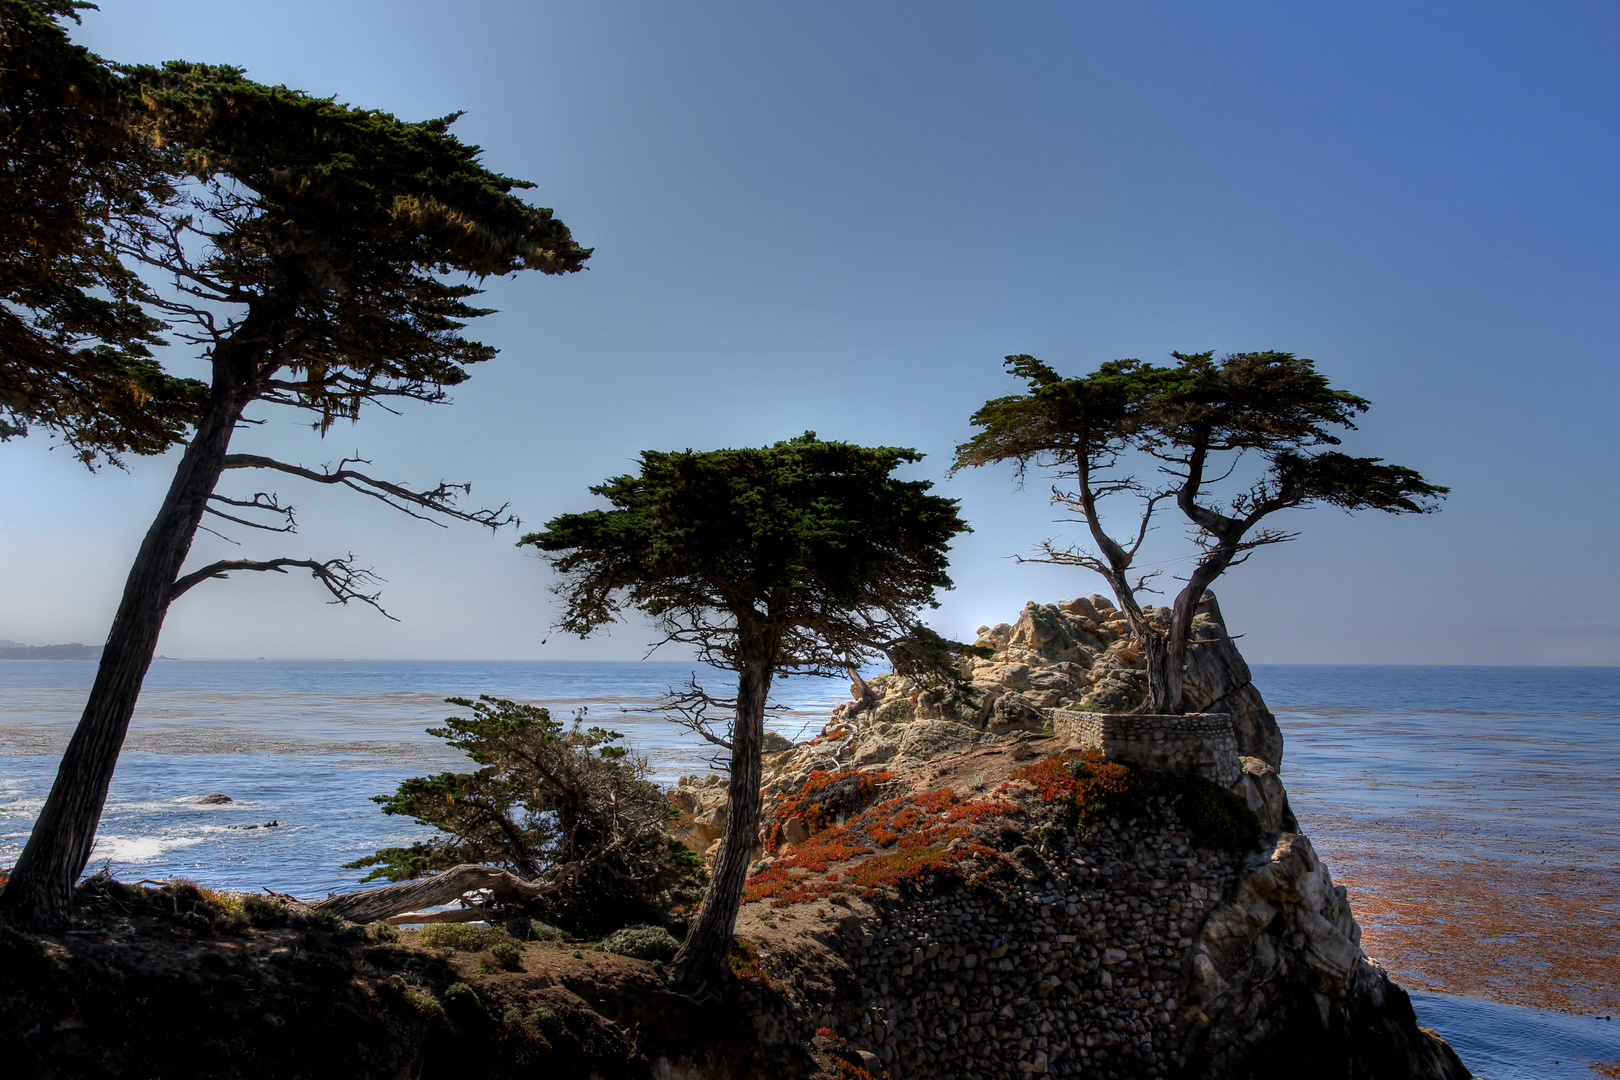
point(1218, 680)
point(1278, 984)
point(1263, 790)
point(925, 740)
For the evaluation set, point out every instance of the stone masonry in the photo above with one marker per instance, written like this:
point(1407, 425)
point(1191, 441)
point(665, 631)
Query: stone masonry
point(1073, 972)
point(1196, 744)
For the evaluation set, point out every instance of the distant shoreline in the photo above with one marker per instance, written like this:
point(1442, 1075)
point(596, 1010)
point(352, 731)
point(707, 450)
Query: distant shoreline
point(71, 651)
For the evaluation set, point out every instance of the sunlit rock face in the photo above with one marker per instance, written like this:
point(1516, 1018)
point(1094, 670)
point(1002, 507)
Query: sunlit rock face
point(1079, 655)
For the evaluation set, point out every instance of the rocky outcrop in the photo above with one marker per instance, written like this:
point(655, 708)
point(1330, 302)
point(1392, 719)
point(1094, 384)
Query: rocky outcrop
point(966, 916)
point(1035, 943)
point(1276, 984)
point(1078, 655)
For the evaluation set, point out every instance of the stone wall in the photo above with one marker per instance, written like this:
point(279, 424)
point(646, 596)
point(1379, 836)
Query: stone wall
point(1127, 952)
point(1075, 974)
point(1196, 744)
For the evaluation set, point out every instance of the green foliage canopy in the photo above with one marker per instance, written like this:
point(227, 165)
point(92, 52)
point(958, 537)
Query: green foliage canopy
point(76, 332)
point(813, 543)
point(335, 228)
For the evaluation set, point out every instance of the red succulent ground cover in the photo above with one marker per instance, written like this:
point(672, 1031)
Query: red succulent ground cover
point(745, 964)
point(1084, 779)
point(822, 798)
point(904, 840)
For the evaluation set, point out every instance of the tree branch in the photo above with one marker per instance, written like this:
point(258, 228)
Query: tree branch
point(438, 500)
point(342, 579)
point(689, 708)
point(261, 501)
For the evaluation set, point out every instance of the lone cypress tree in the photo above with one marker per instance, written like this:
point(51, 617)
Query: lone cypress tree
point(308, 251)
point(1197, 421)
point(802, 556)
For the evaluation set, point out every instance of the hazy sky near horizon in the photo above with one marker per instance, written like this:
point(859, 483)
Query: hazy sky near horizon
point(840, 216)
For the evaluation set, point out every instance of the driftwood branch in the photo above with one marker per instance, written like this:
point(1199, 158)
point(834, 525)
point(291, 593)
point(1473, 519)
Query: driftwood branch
point(342, 578)
point(437, 500)
point(866, 696)
point(368, 905)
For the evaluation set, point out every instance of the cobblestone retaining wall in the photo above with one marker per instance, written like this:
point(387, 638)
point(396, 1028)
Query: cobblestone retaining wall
point(1072, 973)
point(1197, 744)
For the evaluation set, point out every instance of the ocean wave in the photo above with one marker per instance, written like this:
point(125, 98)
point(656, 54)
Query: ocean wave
point(138, 849)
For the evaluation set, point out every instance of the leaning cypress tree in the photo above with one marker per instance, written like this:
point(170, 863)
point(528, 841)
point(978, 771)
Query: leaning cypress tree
point(803, 556)
point(1197, 423)
point(310, 251)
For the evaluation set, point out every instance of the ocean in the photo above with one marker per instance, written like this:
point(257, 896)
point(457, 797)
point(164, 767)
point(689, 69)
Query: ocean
point(1473, 813)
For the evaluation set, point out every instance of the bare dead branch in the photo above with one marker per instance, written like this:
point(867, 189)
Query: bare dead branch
point(341, 577)
point(261, 501)
point(691, 707)
point(437, 500)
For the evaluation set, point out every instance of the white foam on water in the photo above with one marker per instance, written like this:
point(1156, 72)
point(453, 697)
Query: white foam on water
point(137, 849)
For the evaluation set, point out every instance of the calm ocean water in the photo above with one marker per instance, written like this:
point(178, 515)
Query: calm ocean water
point(1474, 813)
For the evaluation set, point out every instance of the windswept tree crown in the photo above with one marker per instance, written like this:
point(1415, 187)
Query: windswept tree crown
point(336, 227)
point(815, 538)
point(1273, 404)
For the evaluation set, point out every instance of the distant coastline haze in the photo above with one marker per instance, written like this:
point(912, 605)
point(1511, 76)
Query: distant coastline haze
point(841, 218)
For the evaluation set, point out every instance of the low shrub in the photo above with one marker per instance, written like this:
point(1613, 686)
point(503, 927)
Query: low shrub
point(419, 1001)
point(463, 936)
point(263, 911)
point(462, 997)
point(523, 928)
point(507, 955)
point(642, 943)
point(546, 1019)
point(321, 919)
point(232, 922)
point(382, 930)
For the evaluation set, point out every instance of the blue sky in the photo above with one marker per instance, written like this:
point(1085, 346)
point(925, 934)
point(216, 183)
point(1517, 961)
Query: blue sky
point(840, 217)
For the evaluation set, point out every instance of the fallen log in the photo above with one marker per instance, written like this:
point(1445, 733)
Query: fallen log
point(368, 905)
point(466, 914)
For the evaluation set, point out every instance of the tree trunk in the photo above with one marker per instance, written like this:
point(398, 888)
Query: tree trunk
point(704, 959)
point(1181, 619)
point(1164, 674)
point(371, 904)
point(41, 886)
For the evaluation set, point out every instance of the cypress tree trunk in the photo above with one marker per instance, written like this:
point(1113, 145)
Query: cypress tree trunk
point(1164, 674)
point(41, 886)
point(704, 959)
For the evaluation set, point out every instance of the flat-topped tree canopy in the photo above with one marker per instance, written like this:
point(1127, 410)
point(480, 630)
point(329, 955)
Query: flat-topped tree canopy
point(817, 540)
point(76, 335)
point(1200, 419)
point(805, 555)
